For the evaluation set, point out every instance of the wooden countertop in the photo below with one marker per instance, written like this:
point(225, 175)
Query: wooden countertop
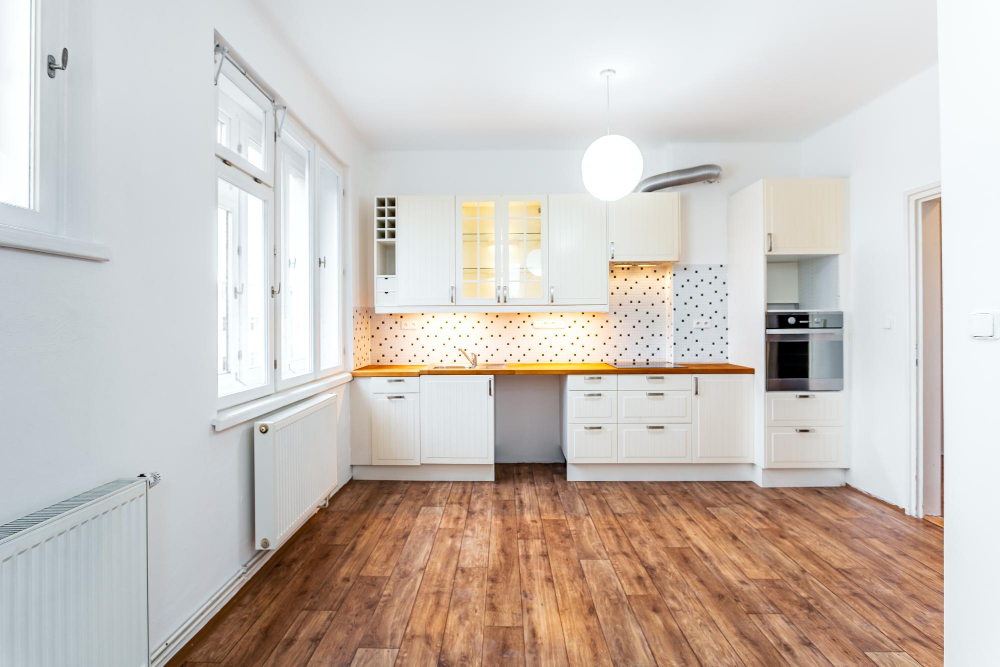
point(548, 369)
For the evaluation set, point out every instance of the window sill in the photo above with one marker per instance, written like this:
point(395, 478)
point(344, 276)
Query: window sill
point(247, 411)
point(52, 244)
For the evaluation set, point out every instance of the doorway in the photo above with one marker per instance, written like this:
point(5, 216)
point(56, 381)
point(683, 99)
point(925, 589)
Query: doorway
point(925, 218)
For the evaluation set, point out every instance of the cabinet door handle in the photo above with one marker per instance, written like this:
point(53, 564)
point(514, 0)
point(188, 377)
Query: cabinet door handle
point(498, 294)
point(655, 428)
point(453, 294)
point(595, 394)
point(505, 294)
point(696, 385)
point(592, 377)
point(552, 295)
point(805, 430)
point(612, 250)
point(395, 380)
point(654, 393)
point(655, 377)
point(491, 386)
point(592, 428)
point(804, 396)
point(770, 245)
point(393, 398)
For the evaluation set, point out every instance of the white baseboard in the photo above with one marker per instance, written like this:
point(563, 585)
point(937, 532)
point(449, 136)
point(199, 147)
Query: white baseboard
point(427, 473)
point(777, 477)
point(168, 649)
point(659, 472)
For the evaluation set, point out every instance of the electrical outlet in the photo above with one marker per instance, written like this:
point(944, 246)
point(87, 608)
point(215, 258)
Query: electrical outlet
point(548, 324)
point(408, 325)
point(701, 324)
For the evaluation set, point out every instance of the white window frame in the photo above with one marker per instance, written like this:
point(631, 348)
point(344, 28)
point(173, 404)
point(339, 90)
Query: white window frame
point(294, 131)
point(43, 225)
point(266, 175)
point(266, 194)
point(324, 158)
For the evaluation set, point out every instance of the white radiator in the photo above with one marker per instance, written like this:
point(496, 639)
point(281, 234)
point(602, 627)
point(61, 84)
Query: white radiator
point(73, 582)
point(295, 467)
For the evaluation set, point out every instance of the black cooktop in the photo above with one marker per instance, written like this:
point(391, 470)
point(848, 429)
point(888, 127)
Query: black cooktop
point(645, 364)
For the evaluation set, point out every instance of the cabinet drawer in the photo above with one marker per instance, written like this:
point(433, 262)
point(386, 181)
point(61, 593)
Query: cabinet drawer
point(654, 382)
point(395, 385)
point(590, 382)
point(805, 408)
point(790, 447)
point(595, 443)
point(654, 443)
point(591, 407)
point(654, 407)
point(385, 284)
point(385, 298)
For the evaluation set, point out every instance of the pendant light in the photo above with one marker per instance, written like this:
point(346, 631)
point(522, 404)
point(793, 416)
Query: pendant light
point(612, 165)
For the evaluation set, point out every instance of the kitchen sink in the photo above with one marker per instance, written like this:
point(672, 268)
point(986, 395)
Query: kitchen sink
point(464, 367)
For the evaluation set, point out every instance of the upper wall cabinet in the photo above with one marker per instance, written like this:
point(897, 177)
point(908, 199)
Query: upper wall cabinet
point(503, 255)
point(425, 251)
point(645, 227)
point(578, 250)
point(805, 216)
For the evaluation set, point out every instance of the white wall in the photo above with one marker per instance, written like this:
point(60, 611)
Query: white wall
point(886, 148)
point(703, 206)
point(107, 369)
point(970, 142)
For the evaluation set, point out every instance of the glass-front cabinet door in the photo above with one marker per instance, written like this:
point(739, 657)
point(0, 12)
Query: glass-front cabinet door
point(525, 257)
point(479, 250)
point(503, 258)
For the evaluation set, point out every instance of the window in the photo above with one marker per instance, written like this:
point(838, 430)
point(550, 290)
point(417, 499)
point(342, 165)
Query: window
point(278, 248)
point(16, 103)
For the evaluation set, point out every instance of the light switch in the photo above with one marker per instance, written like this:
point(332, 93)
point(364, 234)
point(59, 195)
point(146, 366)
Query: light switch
point(982, 325)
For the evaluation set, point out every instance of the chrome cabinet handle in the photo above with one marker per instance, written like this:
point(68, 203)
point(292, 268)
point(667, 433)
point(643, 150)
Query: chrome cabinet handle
point(393, 398)
point(491, 386)
point(395, 380)
point(552, 295)
point(596, 394)
point(592, 377)
point(804, 396)
point(770, 245)
point(505, 294)
point(655, 428)
point(655, 377)
point(654, 393)
point(498, 294)
point(696, 385)
point(592, 428)
point(805, 430)
point(612, 250)
point(453, 294)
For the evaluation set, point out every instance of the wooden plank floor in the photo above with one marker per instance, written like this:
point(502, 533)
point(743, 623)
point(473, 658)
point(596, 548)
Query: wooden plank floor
point(532, 570)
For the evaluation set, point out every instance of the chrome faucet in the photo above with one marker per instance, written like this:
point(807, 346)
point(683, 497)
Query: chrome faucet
point(472, 359)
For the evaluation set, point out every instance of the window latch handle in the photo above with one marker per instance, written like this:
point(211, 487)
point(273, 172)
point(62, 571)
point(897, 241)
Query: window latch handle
point(53, 66)
point(276, 292)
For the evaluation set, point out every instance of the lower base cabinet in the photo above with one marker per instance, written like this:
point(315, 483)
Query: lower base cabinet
point(723, 419)
point(654, 443)
point(395, 429)
point(456, 419)
point(592, 443)
point(799, 447)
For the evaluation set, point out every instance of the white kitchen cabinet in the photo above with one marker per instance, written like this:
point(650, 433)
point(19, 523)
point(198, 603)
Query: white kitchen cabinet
point(591, 407)
point(591, 443)
point(456, 419)
point(578, 250)
point(805, 216)
point(722, 417)
point(645, 227)
point(805, 408)
point(654, 443)
point(502, 256)
point(654, 407)
point(395, 429)
point(425, 251)
point(798, 447)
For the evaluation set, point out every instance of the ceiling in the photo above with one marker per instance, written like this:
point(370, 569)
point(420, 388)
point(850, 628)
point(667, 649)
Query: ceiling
point(446, 74)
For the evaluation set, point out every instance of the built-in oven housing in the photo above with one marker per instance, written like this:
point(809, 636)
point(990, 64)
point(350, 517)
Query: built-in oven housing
point(805, 351)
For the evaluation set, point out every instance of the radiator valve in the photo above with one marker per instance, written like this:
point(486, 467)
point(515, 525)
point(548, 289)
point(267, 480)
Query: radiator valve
point(152, 478)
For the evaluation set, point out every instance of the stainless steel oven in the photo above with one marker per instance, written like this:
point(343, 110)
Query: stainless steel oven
point(805, 351)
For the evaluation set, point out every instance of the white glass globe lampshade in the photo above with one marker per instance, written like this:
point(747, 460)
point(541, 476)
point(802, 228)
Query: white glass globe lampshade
point(612, 167)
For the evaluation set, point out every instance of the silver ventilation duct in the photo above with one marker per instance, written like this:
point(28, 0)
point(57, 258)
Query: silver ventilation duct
point(711, 173)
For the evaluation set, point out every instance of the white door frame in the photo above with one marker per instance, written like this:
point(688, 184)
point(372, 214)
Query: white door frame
point(914, 200)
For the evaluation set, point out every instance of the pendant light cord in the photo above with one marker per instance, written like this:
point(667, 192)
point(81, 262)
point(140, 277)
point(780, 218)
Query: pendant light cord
point(607, 81)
